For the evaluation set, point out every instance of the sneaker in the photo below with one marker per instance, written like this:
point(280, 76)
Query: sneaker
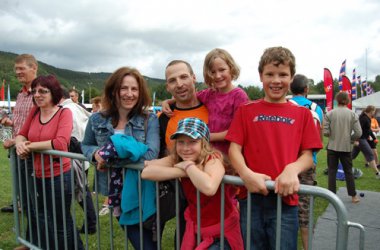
point(105, 210)
point(7, 209)
point(366, 165)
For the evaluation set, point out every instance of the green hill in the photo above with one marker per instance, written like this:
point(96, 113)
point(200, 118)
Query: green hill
point(70, 78)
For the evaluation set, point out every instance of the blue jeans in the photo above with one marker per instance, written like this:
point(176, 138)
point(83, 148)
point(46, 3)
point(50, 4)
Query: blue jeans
point(61, 210)
point(263, 223)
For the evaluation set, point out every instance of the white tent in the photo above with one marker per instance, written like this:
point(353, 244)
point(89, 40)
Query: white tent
point(361, 103)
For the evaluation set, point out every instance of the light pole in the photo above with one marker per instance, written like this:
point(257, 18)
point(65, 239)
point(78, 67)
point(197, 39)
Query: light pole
point(89, 94)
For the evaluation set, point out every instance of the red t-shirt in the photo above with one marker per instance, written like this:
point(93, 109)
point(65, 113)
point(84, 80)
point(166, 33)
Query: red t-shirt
point(272, 135)
point(210, 205)
point(58, 129)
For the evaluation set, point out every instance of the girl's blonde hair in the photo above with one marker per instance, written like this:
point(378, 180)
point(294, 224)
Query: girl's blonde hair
point(225, 56)
point(207, 152)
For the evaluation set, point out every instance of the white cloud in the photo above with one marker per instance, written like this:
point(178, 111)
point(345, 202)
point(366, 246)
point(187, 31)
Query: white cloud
point(94, 35)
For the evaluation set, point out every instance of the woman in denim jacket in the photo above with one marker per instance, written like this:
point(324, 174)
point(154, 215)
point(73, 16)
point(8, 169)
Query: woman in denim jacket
point(124, 111)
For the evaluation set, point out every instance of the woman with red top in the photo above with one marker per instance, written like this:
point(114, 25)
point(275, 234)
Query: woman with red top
point(200, 168)
point(49, 126)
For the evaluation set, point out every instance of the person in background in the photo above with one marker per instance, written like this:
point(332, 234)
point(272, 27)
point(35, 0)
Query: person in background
point(300, 88)
point(342, 127)
point(48, 127)
point(363, 144)
point(74, 95)
point(273, 139)
point(202, 168)
point(25, 67)
point(80, 118)
point(125, 104)
point(373, 141)
point(96, 103)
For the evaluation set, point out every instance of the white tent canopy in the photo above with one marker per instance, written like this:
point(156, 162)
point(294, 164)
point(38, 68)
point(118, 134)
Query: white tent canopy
point(361, 103)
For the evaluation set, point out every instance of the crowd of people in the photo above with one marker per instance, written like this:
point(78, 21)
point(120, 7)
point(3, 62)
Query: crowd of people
point(199, 137)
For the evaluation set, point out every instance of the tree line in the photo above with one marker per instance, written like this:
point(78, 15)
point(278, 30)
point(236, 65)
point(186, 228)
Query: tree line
point(93, 83)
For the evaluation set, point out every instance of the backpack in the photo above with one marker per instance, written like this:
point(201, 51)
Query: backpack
point(357, 173)
point(313, 109)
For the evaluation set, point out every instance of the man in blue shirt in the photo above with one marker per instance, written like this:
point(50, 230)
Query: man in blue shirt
point(300, 89)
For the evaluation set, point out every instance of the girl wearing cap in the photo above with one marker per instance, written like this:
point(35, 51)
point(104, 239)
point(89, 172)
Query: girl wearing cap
point(200, 167)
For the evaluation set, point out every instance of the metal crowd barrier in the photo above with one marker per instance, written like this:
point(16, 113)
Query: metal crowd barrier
point(107, 223)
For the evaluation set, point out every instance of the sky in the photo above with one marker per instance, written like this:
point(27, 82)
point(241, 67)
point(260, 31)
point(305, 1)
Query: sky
point(101, 36)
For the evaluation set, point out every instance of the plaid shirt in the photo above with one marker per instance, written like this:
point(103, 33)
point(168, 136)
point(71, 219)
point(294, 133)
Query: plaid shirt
point(24, 104)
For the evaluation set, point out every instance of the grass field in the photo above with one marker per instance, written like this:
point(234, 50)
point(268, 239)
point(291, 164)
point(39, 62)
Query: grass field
point(7, 236)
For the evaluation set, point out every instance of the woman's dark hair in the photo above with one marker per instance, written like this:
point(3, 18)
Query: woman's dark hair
point(112, 89)
point(50, 82)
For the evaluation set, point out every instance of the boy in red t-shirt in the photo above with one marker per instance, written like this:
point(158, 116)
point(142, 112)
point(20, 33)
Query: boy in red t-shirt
point(272, 139)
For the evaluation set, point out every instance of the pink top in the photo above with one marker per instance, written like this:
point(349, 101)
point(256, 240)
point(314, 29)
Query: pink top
point(221, 109)
point(58, 130)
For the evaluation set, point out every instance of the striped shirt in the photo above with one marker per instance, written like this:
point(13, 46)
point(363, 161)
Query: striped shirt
point(24, 104)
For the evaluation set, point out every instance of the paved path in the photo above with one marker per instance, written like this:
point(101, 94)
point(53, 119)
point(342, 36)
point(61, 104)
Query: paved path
point(366, 212)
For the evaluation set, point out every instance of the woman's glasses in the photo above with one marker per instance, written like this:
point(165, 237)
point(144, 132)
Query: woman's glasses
point(40, 91)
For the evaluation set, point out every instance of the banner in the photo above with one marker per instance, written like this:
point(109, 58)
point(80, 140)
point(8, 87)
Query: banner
point(353, 90)
point(342, 73)
point(2, 93)
point(346, 87)
point(364, 87)
point(9, 99)
point(328, 84)
point(361, 86)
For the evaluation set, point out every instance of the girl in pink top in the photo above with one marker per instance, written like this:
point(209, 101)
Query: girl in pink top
point(221, 97)
point(202, 168)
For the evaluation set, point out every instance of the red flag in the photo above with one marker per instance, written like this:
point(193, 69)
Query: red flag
point(2, 95)
point(329, 89)
point(346, 87)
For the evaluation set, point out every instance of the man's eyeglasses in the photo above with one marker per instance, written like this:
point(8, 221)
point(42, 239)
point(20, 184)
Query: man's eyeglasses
point(40, 91)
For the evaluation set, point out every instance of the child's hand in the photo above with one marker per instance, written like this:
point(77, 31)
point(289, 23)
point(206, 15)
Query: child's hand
point(100, 162)
point(184, 165)
point(166, 108)
point(287, 182)
point(255, 182)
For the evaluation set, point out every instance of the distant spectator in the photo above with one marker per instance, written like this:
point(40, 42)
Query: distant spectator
point(74, 95)
point(373, 143)
point(80, 119)
point(96, 104)
point(300, 89)
point(25, 67)
point(364, 145)
point(342, 127)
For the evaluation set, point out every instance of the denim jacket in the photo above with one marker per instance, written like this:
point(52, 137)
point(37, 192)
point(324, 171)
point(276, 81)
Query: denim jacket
point(99, 130)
